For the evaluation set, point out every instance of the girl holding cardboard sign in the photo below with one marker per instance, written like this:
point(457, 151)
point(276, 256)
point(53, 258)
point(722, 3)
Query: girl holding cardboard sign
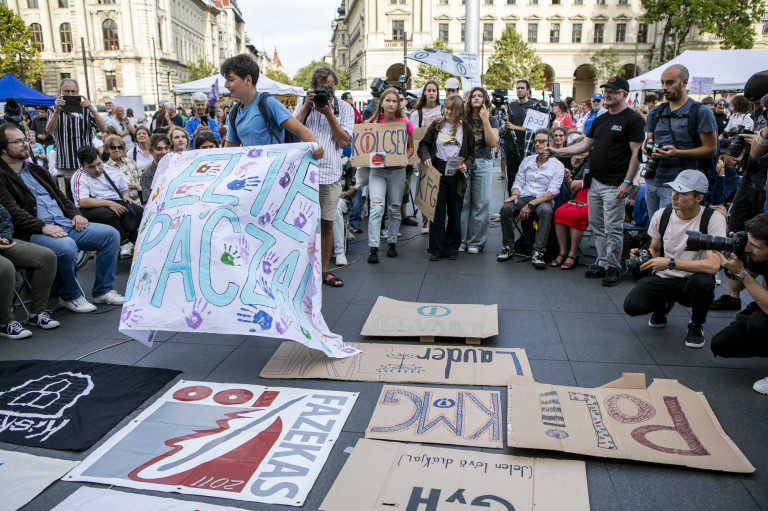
point(386, 184)
point(449, 146)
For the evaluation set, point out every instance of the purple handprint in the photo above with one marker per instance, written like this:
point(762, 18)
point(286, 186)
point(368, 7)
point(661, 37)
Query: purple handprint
point(269, 261)
point(306, 306)
point(255, 153)
point(130, 315)
point(244, 169)
point(195, 318)
point(160, 207)
point(243, 247)
point(312, 176)
point(285, 180)
point(283, 324)
point(304, 214)
point(267, 217)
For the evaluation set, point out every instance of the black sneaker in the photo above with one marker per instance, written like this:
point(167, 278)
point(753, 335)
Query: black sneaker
point(506, 253)
point(658, 320)
point(695, 337)
point(595, 272)
point(14, 330)
point(612, 277)
point(538, 261)
point(726, 303)
point(44, 321)
point(392, 250)
point(434, 257)
point(373, 257)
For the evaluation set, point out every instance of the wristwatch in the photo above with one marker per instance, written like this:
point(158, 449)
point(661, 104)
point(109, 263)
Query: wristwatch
point(672, 264)
point(741, 275)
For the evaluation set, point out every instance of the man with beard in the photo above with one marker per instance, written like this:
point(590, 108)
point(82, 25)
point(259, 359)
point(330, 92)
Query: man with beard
point(519, 141)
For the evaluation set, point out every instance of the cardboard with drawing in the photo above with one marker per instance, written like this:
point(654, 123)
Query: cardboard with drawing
point(663, 423)
point(427, 188)
point(417, 477)
point(377, 145)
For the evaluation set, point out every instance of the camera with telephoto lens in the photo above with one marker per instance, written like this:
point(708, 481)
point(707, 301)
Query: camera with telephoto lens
point(322, 96)
point(633, 264)
point(378, 86)
point(729, 244)
point(736, 147)
point(499, 97)
point(13, 113)
point(651, 164)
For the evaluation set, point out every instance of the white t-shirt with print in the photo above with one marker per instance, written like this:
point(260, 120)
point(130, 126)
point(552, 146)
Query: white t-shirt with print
point(448, 146)
point(85, 186)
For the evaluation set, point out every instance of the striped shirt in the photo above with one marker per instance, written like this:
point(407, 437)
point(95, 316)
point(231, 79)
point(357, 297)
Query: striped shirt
point(72, 133)
point(329, 166)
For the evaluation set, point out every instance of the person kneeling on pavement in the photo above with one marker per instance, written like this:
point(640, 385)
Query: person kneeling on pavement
point(101, 194)
point(42, 214)
point(747, 336)
point(679, 274)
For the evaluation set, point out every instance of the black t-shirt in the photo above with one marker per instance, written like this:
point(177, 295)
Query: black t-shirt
point(517, 112)
point(722, 121)
point(481, 149)
point(611, 153)
point(760, 268)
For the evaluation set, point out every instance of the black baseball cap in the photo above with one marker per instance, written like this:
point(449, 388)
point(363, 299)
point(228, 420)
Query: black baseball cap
point(756, 87)
point(617, 83)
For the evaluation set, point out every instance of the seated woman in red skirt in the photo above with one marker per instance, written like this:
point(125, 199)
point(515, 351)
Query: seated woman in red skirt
point(572, 216)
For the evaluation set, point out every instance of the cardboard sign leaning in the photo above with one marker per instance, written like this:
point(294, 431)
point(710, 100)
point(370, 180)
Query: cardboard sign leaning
point(377, 145)
point(427, 189)
point(233, 441)
point(438, 416)
point(418, 134)
point(410, 477)
point(663, 423)
point(24, 476)
point(395, 318)
point(402, 363)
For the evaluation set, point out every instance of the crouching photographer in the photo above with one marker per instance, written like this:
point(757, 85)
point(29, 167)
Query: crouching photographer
point(680, 257)
point(746, 260)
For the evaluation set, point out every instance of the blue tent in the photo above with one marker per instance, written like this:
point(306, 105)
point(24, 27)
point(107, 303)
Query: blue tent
point(12, 88)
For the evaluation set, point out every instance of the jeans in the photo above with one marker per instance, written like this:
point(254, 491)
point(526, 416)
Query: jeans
point(542, 213)
point(126, 224)
point(476, 214)
point(339, 232)
point(445, 236)
point(657, 196)
point(745, 337)
point(356, 215)
point(96, 237)
point(385, 187)
point(28, 256)
point(606, 217)
point(652, 293)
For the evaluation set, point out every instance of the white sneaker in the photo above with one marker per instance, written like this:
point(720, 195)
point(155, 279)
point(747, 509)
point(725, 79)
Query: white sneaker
point(111, 298)
point(350, 236)
point(473, 250)
point(79, 304)
point(341, 260)
point(14, 330)
point(761, 386)
point(126, 250)
point(384, 234)
point(462, 248)
point(425, 230)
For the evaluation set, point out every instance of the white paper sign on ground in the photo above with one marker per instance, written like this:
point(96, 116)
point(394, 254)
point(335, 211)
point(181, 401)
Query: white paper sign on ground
point(232, 441)
point(24, 476)
point(93, 499)
point(535, 120)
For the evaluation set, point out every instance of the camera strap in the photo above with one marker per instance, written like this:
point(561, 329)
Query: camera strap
point(667, 214)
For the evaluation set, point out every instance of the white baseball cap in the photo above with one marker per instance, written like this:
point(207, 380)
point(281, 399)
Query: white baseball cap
point(452, 83)
point(690, 180)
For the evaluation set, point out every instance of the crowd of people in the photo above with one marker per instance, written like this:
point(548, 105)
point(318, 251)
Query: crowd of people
point(73, 180)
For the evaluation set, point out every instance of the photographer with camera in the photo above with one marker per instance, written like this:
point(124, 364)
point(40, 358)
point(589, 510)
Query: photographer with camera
point(519, 141)
point(681, 258)
point(332, 122)
point(745, 260)
point(681, 134)
point(378, 86)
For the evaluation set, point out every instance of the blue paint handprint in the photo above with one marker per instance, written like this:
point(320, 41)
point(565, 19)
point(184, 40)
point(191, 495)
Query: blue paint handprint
point(270, 260)
point(304, 214)
point(247, 184)
point(255, 316)
point(266, 288)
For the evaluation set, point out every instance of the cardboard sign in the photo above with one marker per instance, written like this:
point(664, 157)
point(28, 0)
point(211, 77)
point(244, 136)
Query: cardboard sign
point(408, 477)
point(702, 85)
point(24, 476)
point(664, 423)
point(402, 363)
point(234, 441)
point(418, 134)
point(378, 145)
point(393, 318)
point(438, 416)
point(229, 244)
point(535, 120)
point(427, 189)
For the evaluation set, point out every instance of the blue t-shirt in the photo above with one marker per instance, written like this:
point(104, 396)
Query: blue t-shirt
point(250, 128)
point(669, 169)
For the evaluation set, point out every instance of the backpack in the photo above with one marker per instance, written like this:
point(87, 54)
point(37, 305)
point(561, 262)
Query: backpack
point(667, 214)
point(289, 137)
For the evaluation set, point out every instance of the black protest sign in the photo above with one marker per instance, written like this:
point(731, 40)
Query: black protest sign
point(68, 404)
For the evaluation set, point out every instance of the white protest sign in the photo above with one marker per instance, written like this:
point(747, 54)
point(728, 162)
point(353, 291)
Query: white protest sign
point(702, 85)
point(472, 63)
point(535, 120)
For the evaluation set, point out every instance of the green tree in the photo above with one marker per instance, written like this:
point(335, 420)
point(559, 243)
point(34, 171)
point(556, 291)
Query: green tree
point(18, 54)
point(200, 69)
point(304, 75)
point(606, 63)
point(513, 58)
point(278, 76)
point(731, 20)
point(426, 72)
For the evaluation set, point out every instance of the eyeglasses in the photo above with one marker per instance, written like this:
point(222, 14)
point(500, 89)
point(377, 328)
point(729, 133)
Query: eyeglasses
point(116, 148)
point(559, 135)
point(20, 141)
point(540, 142)
point(71, 92)
point(596, 101)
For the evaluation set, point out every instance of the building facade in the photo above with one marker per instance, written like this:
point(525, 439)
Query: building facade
point(136, 47)
point(369, 36)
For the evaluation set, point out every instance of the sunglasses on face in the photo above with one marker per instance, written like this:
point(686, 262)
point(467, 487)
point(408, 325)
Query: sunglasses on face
point(539, 142)
point(117, 147)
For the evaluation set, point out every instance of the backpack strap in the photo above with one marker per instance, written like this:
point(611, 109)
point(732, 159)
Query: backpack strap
point(421, 117)
point(705, 216)
point(663, 223)
point(262, 104)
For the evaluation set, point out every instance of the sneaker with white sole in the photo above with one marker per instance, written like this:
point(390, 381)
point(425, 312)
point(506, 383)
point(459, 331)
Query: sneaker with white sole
point(695, 337)
point(111, 298)
point(79, 305)
point(341, 260)
point(384, 234)
point(538, 261)
point(462, 248)
point(473, 250)
point(14, 330)
point(126, 250)
point(425, 230)
point(44, 321)
point(761, 386)
point(506, 253)
point(350, 236)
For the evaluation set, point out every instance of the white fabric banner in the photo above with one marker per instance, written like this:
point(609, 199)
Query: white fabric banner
point(92, 499)
point(232, 441)
point(472, 79)
point(230, 244)
point(24, 476)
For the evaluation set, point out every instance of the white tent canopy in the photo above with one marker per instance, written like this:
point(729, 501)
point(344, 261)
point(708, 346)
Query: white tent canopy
point(730, 68)
point(263, 85)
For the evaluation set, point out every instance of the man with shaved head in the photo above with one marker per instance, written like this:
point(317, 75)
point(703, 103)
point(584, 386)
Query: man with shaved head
point(684, 132)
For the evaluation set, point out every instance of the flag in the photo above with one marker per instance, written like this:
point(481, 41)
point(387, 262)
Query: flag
point(213, 95)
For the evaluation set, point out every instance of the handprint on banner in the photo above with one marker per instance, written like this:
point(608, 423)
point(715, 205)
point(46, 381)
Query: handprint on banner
point(146, 279)
point(304, 214)
point(243, 246)
point(286, 178)
point(195, 318)
point(313, 175)
point(283, 324)
point(255, 153)
point(251, 314)
point(176, 221)
point(266, 288)
point(245, 169)
point(306, 306)
point(269, 260)
point(268, 216)
point(305, 332)
point(147, 221)
point(230, 257)
point(247, 184)
point(130, 315)
point(160, 207)
point(186, 188)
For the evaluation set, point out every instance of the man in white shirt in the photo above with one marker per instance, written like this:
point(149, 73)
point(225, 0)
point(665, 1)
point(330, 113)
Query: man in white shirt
point(536, 185)
point(103, 197)
point(123, 127)
point(681, 272)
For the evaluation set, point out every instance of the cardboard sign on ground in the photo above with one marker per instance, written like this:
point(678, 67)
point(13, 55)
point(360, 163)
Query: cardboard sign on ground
point(427, 189)
point(393, 318)
point(402, 363)
point(438, 416)
point(379, 145)
point(663, 423)
point(409, 477)
point(418, 134)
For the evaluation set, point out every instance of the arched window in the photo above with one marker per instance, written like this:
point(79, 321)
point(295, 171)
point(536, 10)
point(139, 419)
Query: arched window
point(37, 35)
point(111, 41)
point(65, 33)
